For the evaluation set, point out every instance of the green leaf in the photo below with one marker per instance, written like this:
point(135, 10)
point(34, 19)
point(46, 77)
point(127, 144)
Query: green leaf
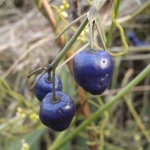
point(33, 139)
point(68, 87)
point(148, 147)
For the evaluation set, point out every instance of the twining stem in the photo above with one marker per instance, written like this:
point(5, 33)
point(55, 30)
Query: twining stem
point(116, 8)
point(72, 23)
point(131, 107)
point(10, 122)
point(113, 147)
point(123, 39)
point(102, 125)
point(33, 72)
point(95, 115)
point(114, 80)
point(69, 44)
point(33, 85)
point(56, 61)
point(141, 9)
point(136, 117)
point(130, 17)
point(101, 37)
point(92, 15)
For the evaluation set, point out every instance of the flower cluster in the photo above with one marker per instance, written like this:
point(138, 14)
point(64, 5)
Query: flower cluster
point(63, 8)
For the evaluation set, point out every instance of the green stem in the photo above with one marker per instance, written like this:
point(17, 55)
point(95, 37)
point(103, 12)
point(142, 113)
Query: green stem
point(117, 4)
point(133, 49)
point(62, 18)
point(95, 115)
point(123, 39)
point(116, 72)
point(49, 78)
point(10, 122)
point(53, 85)
point(91, 34)
point(72, 23)
point(136, 117)
point(54, 99)
point(112, 24)
point(113, 147)
point(69, 44)
point(32, 87)
point(141, 9)
point(62, 134)
point(109, 34)
point(33, 72)
point(91, 15)
point(133, 15)
point(100, 35)
point(103, 125)
point(13, 121)
point(102, 28)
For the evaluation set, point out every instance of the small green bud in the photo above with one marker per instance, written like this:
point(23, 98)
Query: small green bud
point(137, 138)
point(24, 146)
point(34, 117)
point(64, 14)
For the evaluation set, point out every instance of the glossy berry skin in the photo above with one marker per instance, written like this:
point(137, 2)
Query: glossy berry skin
point(57, 116)
point(93, 70)
point(44, 86)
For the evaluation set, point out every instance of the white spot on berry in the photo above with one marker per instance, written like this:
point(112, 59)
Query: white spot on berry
point(103, 63)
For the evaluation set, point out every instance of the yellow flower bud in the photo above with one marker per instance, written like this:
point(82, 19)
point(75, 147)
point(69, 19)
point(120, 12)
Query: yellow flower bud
point(34, 117)
point(107, 133)
point(24, 146)
point(62, 7)
point(86, 30)
point(82, 33)
point(20, 110)
point(137, 138)
point(64, 2)
point(64, 14)
point(67, 6)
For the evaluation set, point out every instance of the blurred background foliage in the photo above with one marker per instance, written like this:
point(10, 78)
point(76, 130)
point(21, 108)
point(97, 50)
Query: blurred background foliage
point(27, 43)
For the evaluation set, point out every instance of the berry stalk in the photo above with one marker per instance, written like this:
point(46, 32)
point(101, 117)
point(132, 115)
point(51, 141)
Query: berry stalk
point(92, 15)
point(56, 61)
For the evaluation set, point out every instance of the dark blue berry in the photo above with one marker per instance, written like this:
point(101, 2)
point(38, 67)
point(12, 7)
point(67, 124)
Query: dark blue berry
point(44, 86)
point(59, 115)
point(93, 70)
point(135, 39)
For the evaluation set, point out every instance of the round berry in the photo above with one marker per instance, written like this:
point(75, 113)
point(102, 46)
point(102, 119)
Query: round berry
point(57, 115)
point(44, 86)
point(93, 70)
point(136, 41)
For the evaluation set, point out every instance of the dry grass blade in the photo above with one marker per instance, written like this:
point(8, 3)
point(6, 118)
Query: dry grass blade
point(24, 54)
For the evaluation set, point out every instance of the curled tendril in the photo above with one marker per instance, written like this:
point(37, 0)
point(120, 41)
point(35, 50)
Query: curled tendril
point(123, 39)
